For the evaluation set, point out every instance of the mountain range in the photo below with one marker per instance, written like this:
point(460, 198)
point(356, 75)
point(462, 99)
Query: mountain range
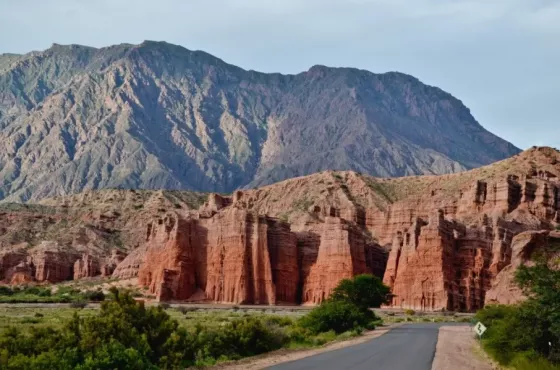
point(159, 116)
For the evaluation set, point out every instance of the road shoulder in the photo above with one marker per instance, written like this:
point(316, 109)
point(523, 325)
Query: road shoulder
point(457, 349)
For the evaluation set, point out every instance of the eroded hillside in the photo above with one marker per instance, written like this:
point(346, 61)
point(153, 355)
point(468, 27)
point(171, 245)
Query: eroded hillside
point(441, 242)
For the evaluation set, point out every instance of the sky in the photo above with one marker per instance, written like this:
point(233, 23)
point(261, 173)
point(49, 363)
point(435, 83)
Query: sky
point(500, 57)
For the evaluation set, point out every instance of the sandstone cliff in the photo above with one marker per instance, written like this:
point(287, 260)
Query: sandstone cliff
point(236, 256)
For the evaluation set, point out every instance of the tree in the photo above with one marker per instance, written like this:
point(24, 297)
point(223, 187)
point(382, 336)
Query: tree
point(528, 332)
point(365, 291)
point(541, 283)
point(337, 315)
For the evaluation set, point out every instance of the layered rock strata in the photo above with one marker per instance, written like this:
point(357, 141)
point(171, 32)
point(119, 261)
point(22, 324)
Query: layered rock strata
point(447, 255)
point(440, 242)
point(236, 256)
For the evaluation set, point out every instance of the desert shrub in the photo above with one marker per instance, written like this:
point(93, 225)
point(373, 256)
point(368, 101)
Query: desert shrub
point(124, 334)
point(410, 312)
point(339, 316)
point(38, 291)
point(184, 310)
point(30, 320)
point(371, 325)
point(241, 337)
point(282, 321)
point(78, 304)
point(94, 296)
point(324, 338)
point(6, 291)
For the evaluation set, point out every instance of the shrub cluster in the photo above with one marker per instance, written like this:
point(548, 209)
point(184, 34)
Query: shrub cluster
point(38, 294)
point(528, 333)
point(125, 334)
point(348, 308)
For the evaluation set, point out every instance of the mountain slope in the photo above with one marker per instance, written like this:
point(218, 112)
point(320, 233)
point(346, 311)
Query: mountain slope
point(156, 115)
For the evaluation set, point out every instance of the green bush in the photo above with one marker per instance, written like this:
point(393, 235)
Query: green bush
point(410, 312)
point(339, 316)
point(529, 332)
point(124, 334)
point(364, 291)
point(6, 291)
point(241, 337)
point(94, 296)
point(78, 304)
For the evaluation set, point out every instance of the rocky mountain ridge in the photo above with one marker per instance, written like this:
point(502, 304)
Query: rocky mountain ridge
point(159, 116)
point(448, 242)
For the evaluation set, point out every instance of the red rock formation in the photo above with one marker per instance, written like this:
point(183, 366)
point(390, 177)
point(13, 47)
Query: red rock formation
point(87, 266)
point(110, 264)
point(340, 255)
point(234, 257)
point(524, 246)
point(10, 261)
point(130, 265)
point(169, 271)
point(52, 263)
point(452, 239)
point(450, 265)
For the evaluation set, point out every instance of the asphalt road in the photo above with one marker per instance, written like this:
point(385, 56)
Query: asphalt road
point(407, 347)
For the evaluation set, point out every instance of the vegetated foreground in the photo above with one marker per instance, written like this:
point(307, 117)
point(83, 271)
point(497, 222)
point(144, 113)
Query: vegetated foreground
point(448, 242)
point(527, 335)
point(124, 334)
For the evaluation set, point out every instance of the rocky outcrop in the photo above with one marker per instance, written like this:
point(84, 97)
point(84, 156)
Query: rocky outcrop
point(525, 247)
point(85, 267)
point(441, 242)
point(47, 262)
point(110, 264)
point(453, 260)
point(233, 257)
point(130, 266)
point(340, 255)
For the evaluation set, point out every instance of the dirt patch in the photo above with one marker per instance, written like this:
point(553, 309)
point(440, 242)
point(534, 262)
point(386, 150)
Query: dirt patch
point(457, 349)
point(286, 355)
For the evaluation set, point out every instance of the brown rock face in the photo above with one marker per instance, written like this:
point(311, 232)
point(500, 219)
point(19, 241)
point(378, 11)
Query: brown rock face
point(340, 255)
point(234, 257)
point(87, 266)
point(524, 247)
point(451, 259)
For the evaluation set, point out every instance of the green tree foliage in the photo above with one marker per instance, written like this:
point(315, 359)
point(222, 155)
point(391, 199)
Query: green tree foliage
point(348, 307)
point(124, 335)
point(365, 291)
point(337, 315)
point(529, 332)
point(127, 335)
